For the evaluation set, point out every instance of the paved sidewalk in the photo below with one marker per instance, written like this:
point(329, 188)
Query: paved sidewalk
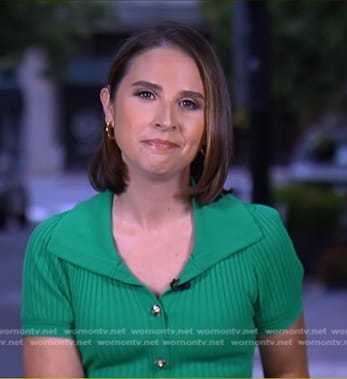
point(325, 310)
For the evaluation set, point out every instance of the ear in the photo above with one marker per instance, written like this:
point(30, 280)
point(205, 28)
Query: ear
point(105, 98)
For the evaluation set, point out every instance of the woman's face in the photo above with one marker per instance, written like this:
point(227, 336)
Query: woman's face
point(158, 113)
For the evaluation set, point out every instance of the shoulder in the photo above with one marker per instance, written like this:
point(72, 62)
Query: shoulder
point(271, 224)
point(275, 249)
point(232, 225)
point(42, 233)
point(81, 236)
point(66, 224)
point(263, 220)
point(266, 217)
point(261, 215)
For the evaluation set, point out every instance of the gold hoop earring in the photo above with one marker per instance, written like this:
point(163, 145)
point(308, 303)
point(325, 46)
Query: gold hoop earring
point(109, 129)
point(203, 150)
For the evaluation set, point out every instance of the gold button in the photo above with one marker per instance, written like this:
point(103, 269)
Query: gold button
point(160, 363)
point(156, 310)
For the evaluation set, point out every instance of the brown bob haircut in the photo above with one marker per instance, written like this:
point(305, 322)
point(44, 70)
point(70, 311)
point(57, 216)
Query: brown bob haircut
point(107, 171)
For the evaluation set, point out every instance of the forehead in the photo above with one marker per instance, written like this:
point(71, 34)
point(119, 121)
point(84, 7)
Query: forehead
point(166, 61)
point(165, 49)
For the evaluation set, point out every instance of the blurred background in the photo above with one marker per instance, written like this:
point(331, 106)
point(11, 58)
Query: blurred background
point(286, 68)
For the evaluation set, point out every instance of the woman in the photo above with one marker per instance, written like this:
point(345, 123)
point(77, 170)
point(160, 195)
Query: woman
point(162, 273)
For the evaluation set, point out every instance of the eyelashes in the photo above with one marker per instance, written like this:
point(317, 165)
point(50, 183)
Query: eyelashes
point(188, 104)
point(148, 95)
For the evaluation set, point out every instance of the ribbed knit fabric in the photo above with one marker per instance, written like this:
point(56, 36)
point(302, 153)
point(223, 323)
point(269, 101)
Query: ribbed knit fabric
point(244, 279)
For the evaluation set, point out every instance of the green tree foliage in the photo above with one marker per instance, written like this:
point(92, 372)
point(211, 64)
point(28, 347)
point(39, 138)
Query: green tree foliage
point(55, 26)
point(218, 18)
point(308, 54)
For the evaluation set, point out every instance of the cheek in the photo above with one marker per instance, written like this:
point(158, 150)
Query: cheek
point(122, 113)
point(197, 133)
point(124, 123)
point(131, 120)
point(195, 140)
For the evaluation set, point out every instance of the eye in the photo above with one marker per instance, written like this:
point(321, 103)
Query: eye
point(189, 104)
point(146, 95)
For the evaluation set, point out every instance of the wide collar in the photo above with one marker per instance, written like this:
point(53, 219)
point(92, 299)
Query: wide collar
point(84, 236)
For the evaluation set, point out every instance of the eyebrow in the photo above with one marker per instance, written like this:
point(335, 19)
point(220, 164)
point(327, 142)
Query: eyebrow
point(156, 87)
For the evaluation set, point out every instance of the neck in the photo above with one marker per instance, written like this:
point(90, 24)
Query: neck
point(151, 204)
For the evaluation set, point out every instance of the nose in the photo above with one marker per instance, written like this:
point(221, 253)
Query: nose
point(165, 118)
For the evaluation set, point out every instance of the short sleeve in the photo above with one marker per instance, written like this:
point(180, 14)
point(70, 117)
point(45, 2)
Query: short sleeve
point(46, 307)
point(279, 275)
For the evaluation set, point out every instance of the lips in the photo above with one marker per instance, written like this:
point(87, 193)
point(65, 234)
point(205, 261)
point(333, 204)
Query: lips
point(161, 144)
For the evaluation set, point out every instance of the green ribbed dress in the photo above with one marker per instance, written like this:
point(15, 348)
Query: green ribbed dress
point(243, 278)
